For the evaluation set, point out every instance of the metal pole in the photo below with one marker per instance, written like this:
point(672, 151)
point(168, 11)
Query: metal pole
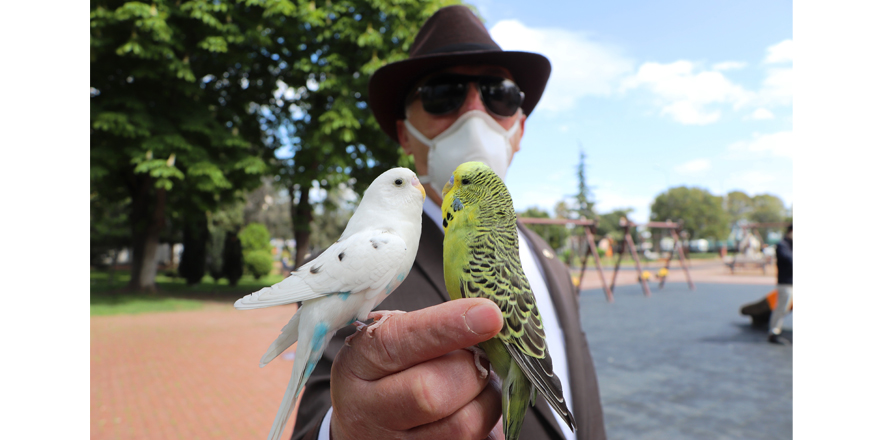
point(681, 258)
point(635, 255)
point(590, 242)
point(622, 251)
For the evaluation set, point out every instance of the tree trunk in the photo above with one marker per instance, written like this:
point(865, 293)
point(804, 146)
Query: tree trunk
point(148, 220)
point(301, 214)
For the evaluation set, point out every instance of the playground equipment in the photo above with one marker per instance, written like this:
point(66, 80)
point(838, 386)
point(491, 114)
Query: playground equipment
point(751, 247)
point(675, 229)
point(589, 234)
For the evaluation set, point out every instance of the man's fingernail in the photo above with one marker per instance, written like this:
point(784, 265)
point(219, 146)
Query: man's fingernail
point(481, 319)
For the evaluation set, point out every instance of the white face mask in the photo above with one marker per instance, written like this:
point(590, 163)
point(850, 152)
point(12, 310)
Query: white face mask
point(475, 136)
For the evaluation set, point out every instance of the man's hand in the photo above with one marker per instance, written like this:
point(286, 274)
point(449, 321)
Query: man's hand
point(413, 380)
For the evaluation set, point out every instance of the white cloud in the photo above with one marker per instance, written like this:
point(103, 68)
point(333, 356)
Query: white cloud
point(696, 166)
point(581, 67)
point(779, 144)
point(761, 113)
point(777, 88)
point(780, 53)
point(687, 94)
point(729, 65)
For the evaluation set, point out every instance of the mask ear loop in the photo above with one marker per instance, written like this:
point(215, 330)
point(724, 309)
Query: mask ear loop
point(418, 135)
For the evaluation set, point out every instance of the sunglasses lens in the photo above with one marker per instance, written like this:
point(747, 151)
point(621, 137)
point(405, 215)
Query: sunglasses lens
point(501, 96)
point(439, 97)
point(445, 94)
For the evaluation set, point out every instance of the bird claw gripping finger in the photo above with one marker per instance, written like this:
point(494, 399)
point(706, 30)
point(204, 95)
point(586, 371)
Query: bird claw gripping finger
point(379, 317)
point(359, 326)
point(479, 353)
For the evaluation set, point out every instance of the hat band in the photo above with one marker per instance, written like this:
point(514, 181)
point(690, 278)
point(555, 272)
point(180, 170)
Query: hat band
point(463, 47)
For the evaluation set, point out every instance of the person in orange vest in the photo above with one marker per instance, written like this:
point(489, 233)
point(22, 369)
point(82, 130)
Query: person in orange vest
point(783, 287)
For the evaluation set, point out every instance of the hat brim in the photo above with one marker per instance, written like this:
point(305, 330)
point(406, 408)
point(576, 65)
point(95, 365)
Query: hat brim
point(390, 84)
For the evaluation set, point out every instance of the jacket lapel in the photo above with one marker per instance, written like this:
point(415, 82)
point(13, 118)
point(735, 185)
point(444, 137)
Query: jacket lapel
point(429, 257)
point(568, 313)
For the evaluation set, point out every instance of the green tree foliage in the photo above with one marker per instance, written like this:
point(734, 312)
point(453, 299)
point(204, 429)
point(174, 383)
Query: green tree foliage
point(767, 208)
point(701, 212)
point(738, 205)
point(609, 225)
point(254, 237)
point(258, 263)
point(256, 249)
point(175, 93)
point(328, 135)
point(583, 200)
point(555, 235)
point(190, 97)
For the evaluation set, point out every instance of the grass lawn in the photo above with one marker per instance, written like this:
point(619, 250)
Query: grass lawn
point(172, 293)
point(629, 262)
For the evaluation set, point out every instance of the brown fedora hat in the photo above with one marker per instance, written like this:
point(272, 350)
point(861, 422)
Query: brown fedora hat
point(453, 36)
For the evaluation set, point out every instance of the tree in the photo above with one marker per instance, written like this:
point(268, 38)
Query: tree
point(328, 136)
point(233, 263)
point(739, 205)
point(190, 98)
point(767, 208)
point(554, 235)
point(609, 224)
point(195, 244)
point(701, 212)
point(175, 124)
point(583, 201)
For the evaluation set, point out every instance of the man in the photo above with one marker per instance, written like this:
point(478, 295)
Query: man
point(457, 98)
point(783, 287)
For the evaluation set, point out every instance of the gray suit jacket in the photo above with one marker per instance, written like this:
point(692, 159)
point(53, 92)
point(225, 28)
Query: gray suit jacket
point(425, 287)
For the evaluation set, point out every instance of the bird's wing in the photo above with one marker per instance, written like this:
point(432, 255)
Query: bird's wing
point(369, 259)
point(494, 271)
point(523, 336)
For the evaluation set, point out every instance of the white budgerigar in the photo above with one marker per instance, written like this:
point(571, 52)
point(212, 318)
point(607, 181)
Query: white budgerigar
point(342, 285)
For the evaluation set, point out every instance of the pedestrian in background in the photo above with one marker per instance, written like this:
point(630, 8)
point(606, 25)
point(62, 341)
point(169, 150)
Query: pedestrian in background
point(783, 287)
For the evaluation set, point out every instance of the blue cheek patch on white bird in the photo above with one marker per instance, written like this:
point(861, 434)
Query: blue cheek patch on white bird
point(344, 295)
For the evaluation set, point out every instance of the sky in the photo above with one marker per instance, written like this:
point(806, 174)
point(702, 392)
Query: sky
point(656, 94)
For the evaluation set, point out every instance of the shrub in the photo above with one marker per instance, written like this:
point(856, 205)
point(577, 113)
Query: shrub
point(256, 249)
point(258, 263)
point(254, 237)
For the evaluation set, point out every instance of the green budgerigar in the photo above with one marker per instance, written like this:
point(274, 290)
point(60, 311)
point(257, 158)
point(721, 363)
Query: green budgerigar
point(481, 260)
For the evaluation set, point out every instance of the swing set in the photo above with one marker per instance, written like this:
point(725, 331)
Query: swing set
point(675, 230)
point(589, 236)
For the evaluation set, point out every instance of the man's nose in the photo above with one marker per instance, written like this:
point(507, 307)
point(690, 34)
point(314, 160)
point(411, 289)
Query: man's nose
point(473, 101)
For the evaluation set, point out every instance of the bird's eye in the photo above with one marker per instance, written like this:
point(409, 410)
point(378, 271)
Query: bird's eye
point(398, 182)
point(465, 181)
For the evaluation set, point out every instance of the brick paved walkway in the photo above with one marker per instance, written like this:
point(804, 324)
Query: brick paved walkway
point(187, 375)
point(196, 375)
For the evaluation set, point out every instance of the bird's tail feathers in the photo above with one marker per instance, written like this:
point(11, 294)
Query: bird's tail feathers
point(307, 355)
point(515, 396)
point(289, 335)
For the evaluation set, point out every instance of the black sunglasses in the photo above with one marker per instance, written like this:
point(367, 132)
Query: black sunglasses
point(445, 93)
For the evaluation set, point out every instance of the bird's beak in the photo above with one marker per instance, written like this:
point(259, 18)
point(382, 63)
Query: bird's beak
point(446, 189)
point(415, 182)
